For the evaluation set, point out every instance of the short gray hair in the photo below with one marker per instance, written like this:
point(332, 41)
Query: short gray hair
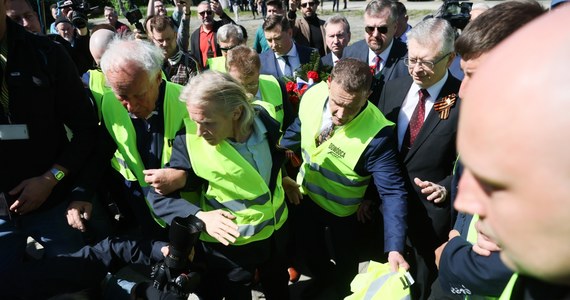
point(127, 50)
point(228, 31)
point(224, 92)
point(375, 7)
point(338, 19)
point(434, 31)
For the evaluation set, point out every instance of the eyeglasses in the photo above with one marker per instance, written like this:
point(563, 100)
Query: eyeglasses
point(429, 65)
point(304, 5)
point(228, 48)
point(206, 12)
point(371, 29)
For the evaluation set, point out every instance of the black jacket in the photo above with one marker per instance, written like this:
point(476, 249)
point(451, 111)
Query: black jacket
point(45, 93)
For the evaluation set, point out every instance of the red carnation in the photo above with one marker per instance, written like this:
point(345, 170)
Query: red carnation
point(313, 75)
point(290, 86)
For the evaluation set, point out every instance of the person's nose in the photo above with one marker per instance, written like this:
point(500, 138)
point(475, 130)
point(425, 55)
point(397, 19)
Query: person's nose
point(470, 195)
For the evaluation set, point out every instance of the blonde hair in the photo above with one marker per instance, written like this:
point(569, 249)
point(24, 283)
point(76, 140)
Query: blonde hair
point(224, 92)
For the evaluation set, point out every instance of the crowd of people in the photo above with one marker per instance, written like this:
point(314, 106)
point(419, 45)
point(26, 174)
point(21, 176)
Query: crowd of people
point(183, 157)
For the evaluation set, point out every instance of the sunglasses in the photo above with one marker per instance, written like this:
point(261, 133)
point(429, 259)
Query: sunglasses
point(304, 5)
point(371, 29)
point(228, 48)
point(206, 12)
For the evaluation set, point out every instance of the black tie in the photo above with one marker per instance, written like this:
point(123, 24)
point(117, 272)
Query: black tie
point(287, 64)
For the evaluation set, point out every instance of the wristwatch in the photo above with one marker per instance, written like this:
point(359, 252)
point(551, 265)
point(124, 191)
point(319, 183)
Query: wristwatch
point(57, 174)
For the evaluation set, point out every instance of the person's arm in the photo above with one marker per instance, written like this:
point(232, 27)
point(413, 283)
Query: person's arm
point(150, 8)
point(72, 108)
point(381, 161)
point(217, 8)
point(88, 180)
point(219, 223)
point(167, 207)
point(292, 137)
point(481, 275)
point(184, 28)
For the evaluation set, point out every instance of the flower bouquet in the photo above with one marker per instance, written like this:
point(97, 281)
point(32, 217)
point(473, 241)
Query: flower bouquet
point(305, 76)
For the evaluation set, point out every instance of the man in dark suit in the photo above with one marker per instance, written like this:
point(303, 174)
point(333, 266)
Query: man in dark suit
point(285, 56)
point(337, 37)
point(379, 49)
point(426, 127)
point(203, 42)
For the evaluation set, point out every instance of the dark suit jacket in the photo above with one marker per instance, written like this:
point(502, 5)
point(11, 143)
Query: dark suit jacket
point(269, 63)
point(195, 38)
point(394, 67)
point(431, 158)
point(327, 60)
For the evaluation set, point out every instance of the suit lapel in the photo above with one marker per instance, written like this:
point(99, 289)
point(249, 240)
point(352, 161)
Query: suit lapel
point(432, 119)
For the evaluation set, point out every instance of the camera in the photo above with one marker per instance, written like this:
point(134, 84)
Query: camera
point(175, 274)
point(80, 11)
point(456, 13)
point(134, 16)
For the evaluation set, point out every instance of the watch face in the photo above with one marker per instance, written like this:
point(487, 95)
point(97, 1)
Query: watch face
point(58, 174)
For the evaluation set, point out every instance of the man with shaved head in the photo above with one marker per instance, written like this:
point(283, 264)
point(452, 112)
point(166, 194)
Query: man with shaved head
point(513, 145)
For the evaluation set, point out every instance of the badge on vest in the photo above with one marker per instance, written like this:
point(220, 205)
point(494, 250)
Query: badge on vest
point(336, 151)
point(14, 132)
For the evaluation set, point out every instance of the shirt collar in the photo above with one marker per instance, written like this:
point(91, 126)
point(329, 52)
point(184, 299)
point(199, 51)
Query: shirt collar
point(291, 53)
point(435, 89)
point(384, 55)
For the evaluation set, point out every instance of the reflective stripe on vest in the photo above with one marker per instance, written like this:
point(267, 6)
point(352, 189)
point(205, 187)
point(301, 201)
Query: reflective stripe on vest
point(98, 88)
point(508, 291)
point(217, 64)
point(378, 282)
point(119, 125)
point(270, 91)
point(234, 185)
point(327, 174)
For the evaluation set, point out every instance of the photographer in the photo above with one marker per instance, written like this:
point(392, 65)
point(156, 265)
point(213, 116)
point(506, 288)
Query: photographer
point(173, 276)
point(72, 26)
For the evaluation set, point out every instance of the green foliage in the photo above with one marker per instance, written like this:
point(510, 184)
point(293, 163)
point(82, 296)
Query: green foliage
point(314, 64)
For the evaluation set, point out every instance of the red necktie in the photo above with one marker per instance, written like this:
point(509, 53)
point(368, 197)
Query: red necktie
point(416, 121)
point(377, 65)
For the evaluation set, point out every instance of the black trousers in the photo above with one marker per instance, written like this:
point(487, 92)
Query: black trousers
point(230, 270)
point(330, 246)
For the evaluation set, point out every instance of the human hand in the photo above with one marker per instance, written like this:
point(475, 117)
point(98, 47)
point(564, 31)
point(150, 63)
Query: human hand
point(77, 211)
point(485, 245)
point(216, 7)
point(139, 35)
point(434, 192)
point(186, 12)
point(453, 233)
point(165, 181)
point(364, 212)
point(180, 4)
point(292, 190)
point(219, 225)
point(32, 192)
point(396, 261)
